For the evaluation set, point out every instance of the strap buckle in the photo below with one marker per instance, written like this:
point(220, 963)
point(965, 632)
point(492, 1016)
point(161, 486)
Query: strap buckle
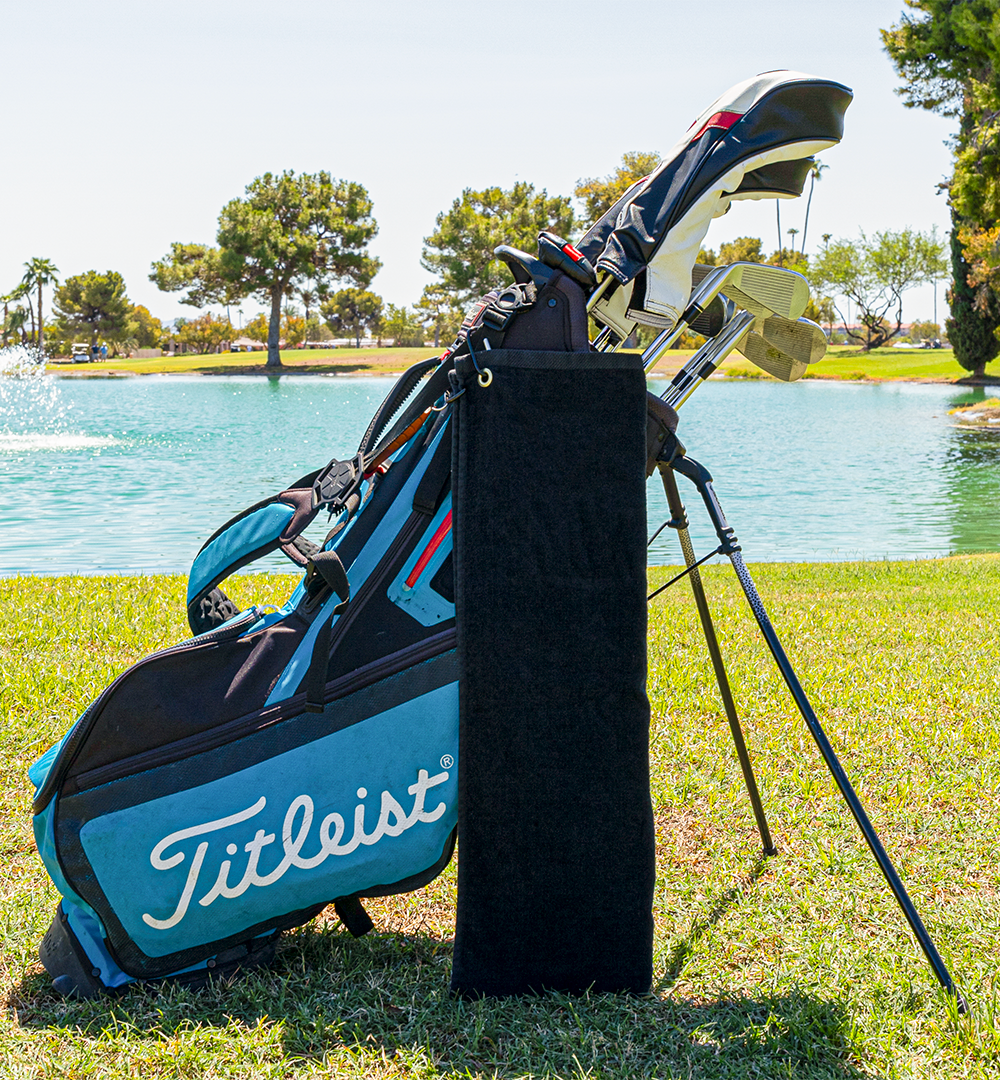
point(337, 482)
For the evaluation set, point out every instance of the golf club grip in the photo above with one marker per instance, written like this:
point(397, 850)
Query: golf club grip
point(848, 792)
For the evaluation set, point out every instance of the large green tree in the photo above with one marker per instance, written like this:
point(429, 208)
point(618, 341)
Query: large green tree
point(460, 250)
point(947, 53)
point(874, 272)
point(351, 311)
point(95, 304)
point(197, 271)
point(289, 228)
point(599, 194)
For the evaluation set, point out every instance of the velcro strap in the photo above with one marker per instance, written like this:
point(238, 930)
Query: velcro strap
point(326, 567)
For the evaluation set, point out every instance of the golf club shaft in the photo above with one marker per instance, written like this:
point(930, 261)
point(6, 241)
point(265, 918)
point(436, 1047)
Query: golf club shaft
point(707, 359)
point(679, 522)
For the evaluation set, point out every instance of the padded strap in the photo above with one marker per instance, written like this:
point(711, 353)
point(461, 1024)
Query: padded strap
point(271, 525)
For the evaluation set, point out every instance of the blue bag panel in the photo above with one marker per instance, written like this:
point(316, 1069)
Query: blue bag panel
point(368, 558)
point(238, 542)
point(416, 597)
point(368, 805)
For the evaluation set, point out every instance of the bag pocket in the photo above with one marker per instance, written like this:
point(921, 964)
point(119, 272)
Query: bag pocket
point(208, 841)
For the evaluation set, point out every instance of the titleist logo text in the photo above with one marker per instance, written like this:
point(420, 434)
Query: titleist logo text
point(392, 821)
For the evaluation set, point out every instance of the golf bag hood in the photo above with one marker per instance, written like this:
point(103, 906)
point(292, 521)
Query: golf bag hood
point(754, 142)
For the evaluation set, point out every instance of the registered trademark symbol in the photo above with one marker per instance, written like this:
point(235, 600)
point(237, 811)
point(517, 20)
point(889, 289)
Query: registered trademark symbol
point(447, 761)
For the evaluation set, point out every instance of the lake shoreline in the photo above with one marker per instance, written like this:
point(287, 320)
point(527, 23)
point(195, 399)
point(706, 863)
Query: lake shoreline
point(841, 364)
point(287, 370)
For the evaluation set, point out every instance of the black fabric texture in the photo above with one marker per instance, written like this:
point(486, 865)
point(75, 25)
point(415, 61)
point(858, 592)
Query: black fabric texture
point(556, 867)
point(556, 321)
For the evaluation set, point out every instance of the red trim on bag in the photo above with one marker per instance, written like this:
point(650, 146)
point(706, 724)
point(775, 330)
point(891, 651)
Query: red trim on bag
point(442, 531)
point(724, 120)
point(571, 251)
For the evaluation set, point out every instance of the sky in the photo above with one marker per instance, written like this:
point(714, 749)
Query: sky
point(129, 126)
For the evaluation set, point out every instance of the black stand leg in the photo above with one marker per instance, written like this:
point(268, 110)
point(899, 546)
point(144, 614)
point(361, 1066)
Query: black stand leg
point(679, 522)
point(702, 479)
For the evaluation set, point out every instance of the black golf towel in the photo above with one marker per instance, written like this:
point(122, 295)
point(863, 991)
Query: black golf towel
point(556, 861)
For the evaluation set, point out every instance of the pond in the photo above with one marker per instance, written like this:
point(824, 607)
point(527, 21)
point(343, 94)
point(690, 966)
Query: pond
point(133, 474)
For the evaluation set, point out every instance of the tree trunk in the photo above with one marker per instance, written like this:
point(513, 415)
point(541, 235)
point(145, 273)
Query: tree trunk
point(41, 338)
point(274, 329)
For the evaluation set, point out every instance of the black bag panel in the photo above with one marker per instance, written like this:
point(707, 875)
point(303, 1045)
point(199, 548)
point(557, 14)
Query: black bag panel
point(176, 694)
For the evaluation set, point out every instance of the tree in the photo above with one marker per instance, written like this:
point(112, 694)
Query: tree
point(206, 333)
point(789, 260)
point(149, 329)
point(95, 304)
point(948, 56)
point(742, 249)
point(874, 273)
point(257, 328)
point(290, 228)
point(598, 195)
point(14, 320)
point(440, 312)
point(815, 173)
point(460, 250)
point(352, 310)
point(924, 331)
point(403, 326)
point(196, 269)
point(293, 329)
point(39, 272)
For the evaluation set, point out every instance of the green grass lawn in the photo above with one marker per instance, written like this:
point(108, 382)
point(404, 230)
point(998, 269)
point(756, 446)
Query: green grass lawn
point(846, 362)
point(795, 966)
point(840, 362)
point(294, 361)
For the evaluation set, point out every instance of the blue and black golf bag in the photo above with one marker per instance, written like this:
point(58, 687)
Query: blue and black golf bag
point(466, 648)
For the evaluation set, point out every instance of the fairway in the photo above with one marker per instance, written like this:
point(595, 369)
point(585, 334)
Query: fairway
point(840, 362)
point(800, 965)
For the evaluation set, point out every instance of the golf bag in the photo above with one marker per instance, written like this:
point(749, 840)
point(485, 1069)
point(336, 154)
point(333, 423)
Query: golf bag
point(233, 785)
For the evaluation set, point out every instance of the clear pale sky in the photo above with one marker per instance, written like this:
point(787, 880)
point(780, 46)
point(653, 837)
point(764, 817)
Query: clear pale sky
point(127, 125)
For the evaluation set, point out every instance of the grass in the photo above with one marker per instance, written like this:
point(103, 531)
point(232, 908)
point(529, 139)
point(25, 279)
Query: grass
point(294, 361)
point(846, 362)
point(797, 966)
point(840, 362)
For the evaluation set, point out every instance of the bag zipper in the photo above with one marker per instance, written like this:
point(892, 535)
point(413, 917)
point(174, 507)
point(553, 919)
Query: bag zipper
point(81, 729)
point(233, 730)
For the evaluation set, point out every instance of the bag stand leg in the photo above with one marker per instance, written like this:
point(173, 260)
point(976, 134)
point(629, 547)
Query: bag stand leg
point(679, 521)
point(728, 546)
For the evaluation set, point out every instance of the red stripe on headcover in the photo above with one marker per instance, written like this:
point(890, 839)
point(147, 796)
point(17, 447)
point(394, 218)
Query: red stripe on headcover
point(724, 120)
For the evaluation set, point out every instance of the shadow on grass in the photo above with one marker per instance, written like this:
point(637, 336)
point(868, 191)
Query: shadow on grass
point(383, 1000)
point(687, 945)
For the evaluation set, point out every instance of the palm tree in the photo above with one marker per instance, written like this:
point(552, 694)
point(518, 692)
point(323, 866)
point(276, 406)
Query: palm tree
point(815, 173)
point(793, 233)
point(39, 272)
point(19, 292)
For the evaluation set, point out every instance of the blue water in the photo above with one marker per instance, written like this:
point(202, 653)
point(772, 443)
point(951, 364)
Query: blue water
point(133, 474)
